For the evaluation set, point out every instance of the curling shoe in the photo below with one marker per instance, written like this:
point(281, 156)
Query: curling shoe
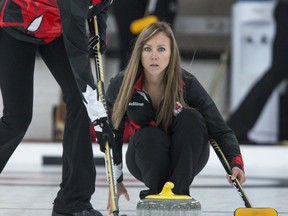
point(89, 212)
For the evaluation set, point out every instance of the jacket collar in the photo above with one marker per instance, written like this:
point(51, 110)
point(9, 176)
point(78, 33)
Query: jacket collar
point(138, 86)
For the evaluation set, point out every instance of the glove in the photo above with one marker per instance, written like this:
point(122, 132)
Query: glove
point(96, 7)
point(93, 40)
point(104, 133)
point(99, 10)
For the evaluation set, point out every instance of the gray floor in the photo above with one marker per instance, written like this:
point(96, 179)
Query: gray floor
point(28, 188)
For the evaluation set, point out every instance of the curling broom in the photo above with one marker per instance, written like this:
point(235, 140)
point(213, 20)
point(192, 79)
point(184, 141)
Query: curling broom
point(249, 210)
point(101, 90)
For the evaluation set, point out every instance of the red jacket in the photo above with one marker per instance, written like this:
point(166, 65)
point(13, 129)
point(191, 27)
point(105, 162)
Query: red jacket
point(39, 19)
point(33, 21)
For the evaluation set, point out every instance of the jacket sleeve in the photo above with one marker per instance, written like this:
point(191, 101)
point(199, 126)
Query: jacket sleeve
point(102, 25)
point(198, 98)
point(111, 95)
point(73, 15)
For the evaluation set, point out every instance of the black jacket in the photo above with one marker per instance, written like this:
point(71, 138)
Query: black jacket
point(195, 96)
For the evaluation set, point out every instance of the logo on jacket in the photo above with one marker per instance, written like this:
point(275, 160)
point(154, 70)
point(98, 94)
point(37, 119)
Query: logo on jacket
point(135, 104)
point(35, 24)
point(178, 108)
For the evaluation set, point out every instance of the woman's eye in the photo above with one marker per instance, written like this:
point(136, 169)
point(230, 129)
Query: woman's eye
point(161, 49)
point(147, 49)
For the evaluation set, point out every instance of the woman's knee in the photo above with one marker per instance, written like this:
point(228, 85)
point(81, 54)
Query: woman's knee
point(190, 116)
point(187, 119)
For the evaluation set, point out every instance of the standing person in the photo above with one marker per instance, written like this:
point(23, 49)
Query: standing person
point(57, 31)
point(127, 11)
point(168, 115)
point(245, 117)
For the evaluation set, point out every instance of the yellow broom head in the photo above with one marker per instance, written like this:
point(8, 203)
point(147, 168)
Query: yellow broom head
point(255, 212)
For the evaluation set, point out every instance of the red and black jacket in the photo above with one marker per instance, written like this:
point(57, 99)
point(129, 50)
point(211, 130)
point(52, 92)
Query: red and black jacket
point(35, 21)
point(31, 21)
point(42, 21)
point(140, 113)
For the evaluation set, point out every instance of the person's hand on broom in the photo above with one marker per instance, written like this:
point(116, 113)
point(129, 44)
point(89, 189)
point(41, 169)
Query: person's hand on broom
point(236, 173)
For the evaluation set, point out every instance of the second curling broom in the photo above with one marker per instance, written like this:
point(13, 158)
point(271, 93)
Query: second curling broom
point(249, 210)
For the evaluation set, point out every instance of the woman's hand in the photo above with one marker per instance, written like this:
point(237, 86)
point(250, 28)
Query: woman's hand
point(121, 189)
point(236, 173)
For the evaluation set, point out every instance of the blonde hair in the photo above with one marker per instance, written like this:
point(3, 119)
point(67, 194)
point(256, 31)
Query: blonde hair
point(172, 78)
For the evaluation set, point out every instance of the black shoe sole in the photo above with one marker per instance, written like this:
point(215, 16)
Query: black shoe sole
point(91, 212)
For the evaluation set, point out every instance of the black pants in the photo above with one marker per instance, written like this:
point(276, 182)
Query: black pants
point(155, 157)
point(129, 10)
point(17, 60)
point(244, 118)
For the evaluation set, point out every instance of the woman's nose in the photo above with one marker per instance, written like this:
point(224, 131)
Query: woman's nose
point(154, 55)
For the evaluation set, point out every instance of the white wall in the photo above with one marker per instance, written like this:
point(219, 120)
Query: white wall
point(46, 93)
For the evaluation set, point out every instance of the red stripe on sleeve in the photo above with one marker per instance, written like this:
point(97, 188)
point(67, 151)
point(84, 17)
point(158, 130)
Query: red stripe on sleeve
point(96, 2)
point(238, 160)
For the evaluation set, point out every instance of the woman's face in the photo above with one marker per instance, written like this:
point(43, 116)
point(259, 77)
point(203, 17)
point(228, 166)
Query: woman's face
point(155, 55)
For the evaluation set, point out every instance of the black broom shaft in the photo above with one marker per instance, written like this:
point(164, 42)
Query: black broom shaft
point(235, 182)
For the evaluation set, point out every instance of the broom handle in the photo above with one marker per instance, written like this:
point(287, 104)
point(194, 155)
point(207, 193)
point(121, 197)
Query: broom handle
point(108, 158)
point(235, 182)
